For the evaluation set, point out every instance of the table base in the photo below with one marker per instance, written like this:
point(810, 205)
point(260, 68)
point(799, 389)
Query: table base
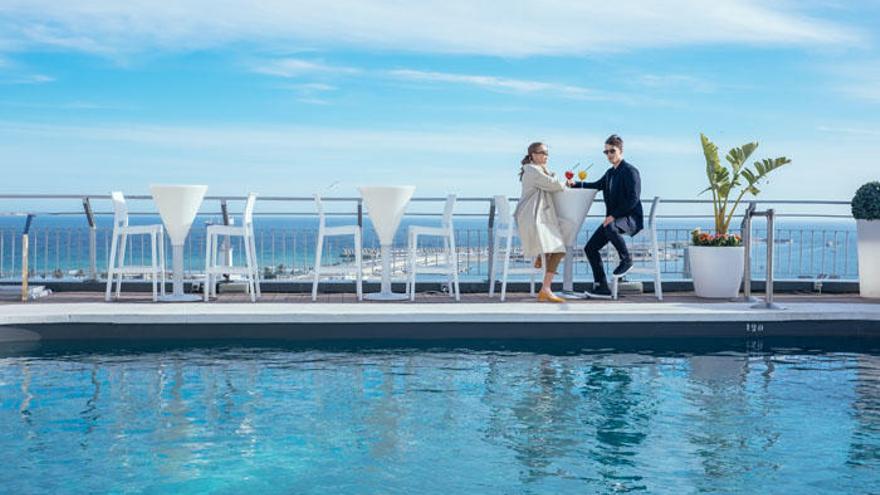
point(180, 298)
point(386, 296)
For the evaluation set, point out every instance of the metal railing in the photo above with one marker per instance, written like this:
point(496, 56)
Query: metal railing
point(62, 247)
point(770, 215)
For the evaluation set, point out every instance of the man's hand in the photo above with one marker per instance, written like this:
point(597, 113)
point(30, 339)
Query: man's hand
point(607, 221)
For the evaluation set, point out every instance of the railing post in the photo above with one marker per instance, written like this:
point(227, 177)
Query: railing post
point(490, 241)
point(360, 213)
point(768, 297)
point(747, 243)
point(771, 243)
point(25, 270)
point(227, 242)
point(224, 210)
point(93, 239)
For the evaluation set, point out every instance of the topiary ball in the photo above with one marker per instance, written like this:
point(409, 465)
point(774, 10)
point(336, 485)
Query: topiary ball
point(866, 202)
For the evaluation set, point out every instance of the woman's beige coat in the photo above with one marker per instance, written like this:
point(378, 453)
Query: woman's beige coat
point(540, 230)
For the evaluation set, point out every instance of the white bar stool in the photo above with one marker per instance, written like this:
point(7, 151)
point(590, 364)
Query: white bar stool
point(337, 230)
point(446, 231)
point(654, 268)
point(506, 227)
point(250, 270)
point(121, 230)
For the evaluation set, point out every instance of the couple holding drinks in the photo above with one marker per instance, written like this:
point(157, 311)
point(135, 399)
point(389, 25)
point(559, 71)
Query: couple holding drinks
point(542, 232)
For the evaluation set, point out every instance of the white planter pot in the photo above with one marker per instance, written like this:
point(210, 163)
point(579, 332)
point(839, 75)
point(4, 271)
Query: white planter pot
point(717, 271)
point(869, 257)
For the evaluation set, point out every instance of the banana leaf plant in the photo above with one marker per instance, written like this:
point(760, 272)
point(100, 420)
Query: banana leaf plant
point(736, 179)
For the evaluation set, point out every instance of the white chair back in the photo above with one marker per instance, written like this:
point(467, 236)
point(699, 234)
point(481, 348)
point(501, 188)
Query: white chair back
point(447, 211)
point(248, 216)
point(502, 210)
point(652, 216)
point(319, 206)
point(120, 210)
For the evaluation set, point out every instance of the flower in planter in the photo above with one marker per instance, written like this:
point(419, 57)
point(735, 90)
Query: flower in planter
point(700, 238)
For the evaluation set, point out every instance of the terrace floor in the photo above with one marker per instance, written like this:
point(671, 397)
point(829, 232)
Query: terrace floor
point(437, 298)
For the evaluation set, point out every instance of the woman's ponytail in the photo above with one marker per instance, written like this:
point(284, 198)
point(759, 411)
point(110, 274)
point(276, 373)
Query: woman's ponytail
point(528, 158)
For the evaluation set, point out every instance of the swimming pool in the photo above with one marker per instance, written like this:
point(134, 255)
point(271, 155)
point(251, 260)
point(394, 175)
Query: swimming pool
point(562, 417)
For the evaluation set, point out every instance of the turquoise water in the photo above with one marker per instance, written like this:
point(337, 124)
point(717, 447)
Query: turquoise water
point(573, 417)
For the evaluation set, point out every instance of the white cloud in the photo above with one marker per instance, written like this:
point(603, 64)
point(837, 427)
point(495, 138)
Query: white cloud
point(14, 73)
point(517, 28)
point(310, 93)
point(292, 67)
point(28, 79)
point(866, 91)
point(851, 131)
point(503, 84)
point(470, 160)
point(675, 82)
point(855, 79)
point(316, 87)
point(283, 139)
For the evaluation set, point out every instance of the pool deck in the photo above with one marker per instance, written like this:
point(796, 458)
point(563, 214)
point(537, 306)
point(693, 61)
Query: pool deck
point(84, 315)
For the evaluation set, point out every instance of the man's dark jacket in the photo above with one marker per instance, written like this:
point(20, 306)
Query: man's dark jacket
point(621, 188)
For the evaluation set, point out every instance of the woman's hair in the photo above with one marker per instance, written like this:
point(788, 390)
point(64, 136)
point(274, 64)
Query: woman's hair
point(528, 158)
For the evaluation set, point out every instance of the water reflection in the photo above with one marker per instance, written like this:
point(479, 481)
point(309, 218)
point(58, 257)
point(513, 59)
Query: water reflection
point(453, 420)
point(864, 449)
point(90, 414)
point(621, 408)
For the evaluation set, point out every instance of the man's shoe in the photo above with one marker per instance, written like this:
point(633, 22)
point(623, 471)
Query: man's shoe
point(624, 267)
point(599, 292)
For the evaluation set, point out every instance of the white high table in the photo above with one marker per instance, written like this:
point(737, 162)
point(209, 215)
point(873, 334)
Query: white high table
point(385, 205)
point(178, 206)
point(572, 205)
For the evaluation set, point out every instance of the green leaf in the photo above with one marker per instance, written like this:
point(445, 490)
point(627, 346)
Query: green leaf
point(737, 157)
point(713, 163)
point(763, 168)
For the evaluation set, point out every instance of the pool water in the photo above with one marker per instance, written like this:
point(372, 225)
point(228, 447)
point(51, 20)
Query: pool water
point(574, 417)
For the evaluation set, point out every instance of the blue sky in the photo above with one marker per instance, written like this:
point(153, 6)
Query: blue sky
point(288, 97)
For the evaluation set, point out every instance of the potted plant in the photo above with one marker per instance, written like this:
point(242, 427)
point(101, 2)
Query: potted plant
point(716, 260)
point(866, 211)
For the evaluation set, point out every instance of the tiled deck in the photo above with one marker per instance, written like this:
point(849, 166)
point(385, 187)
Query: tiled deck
point(433, 298)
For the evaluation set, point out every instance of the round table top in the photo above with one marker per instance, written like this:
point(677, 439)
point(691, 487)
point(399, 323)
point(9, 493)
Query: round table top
point(178, 205)
point(385, 206)
point(573, 205)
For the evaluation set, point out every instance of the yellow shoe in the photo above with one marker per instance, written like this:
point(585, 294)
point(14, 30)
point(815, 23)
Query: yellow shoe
point(543, 297)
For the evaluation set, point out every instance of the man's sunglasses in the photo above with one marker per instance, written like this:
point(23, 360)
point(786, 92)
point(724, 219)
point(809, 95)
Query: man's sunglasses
point(610, 152)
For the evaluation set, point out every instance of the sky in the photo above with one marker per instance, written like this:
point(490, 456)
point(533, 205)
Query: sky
point(288, 97)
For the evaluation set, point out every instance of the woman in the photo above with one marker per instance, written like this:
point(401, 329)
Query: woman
point(539, 228)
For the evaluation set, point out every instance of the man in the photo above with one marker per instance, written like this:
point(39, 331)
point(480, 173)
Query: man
point(621, 188)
